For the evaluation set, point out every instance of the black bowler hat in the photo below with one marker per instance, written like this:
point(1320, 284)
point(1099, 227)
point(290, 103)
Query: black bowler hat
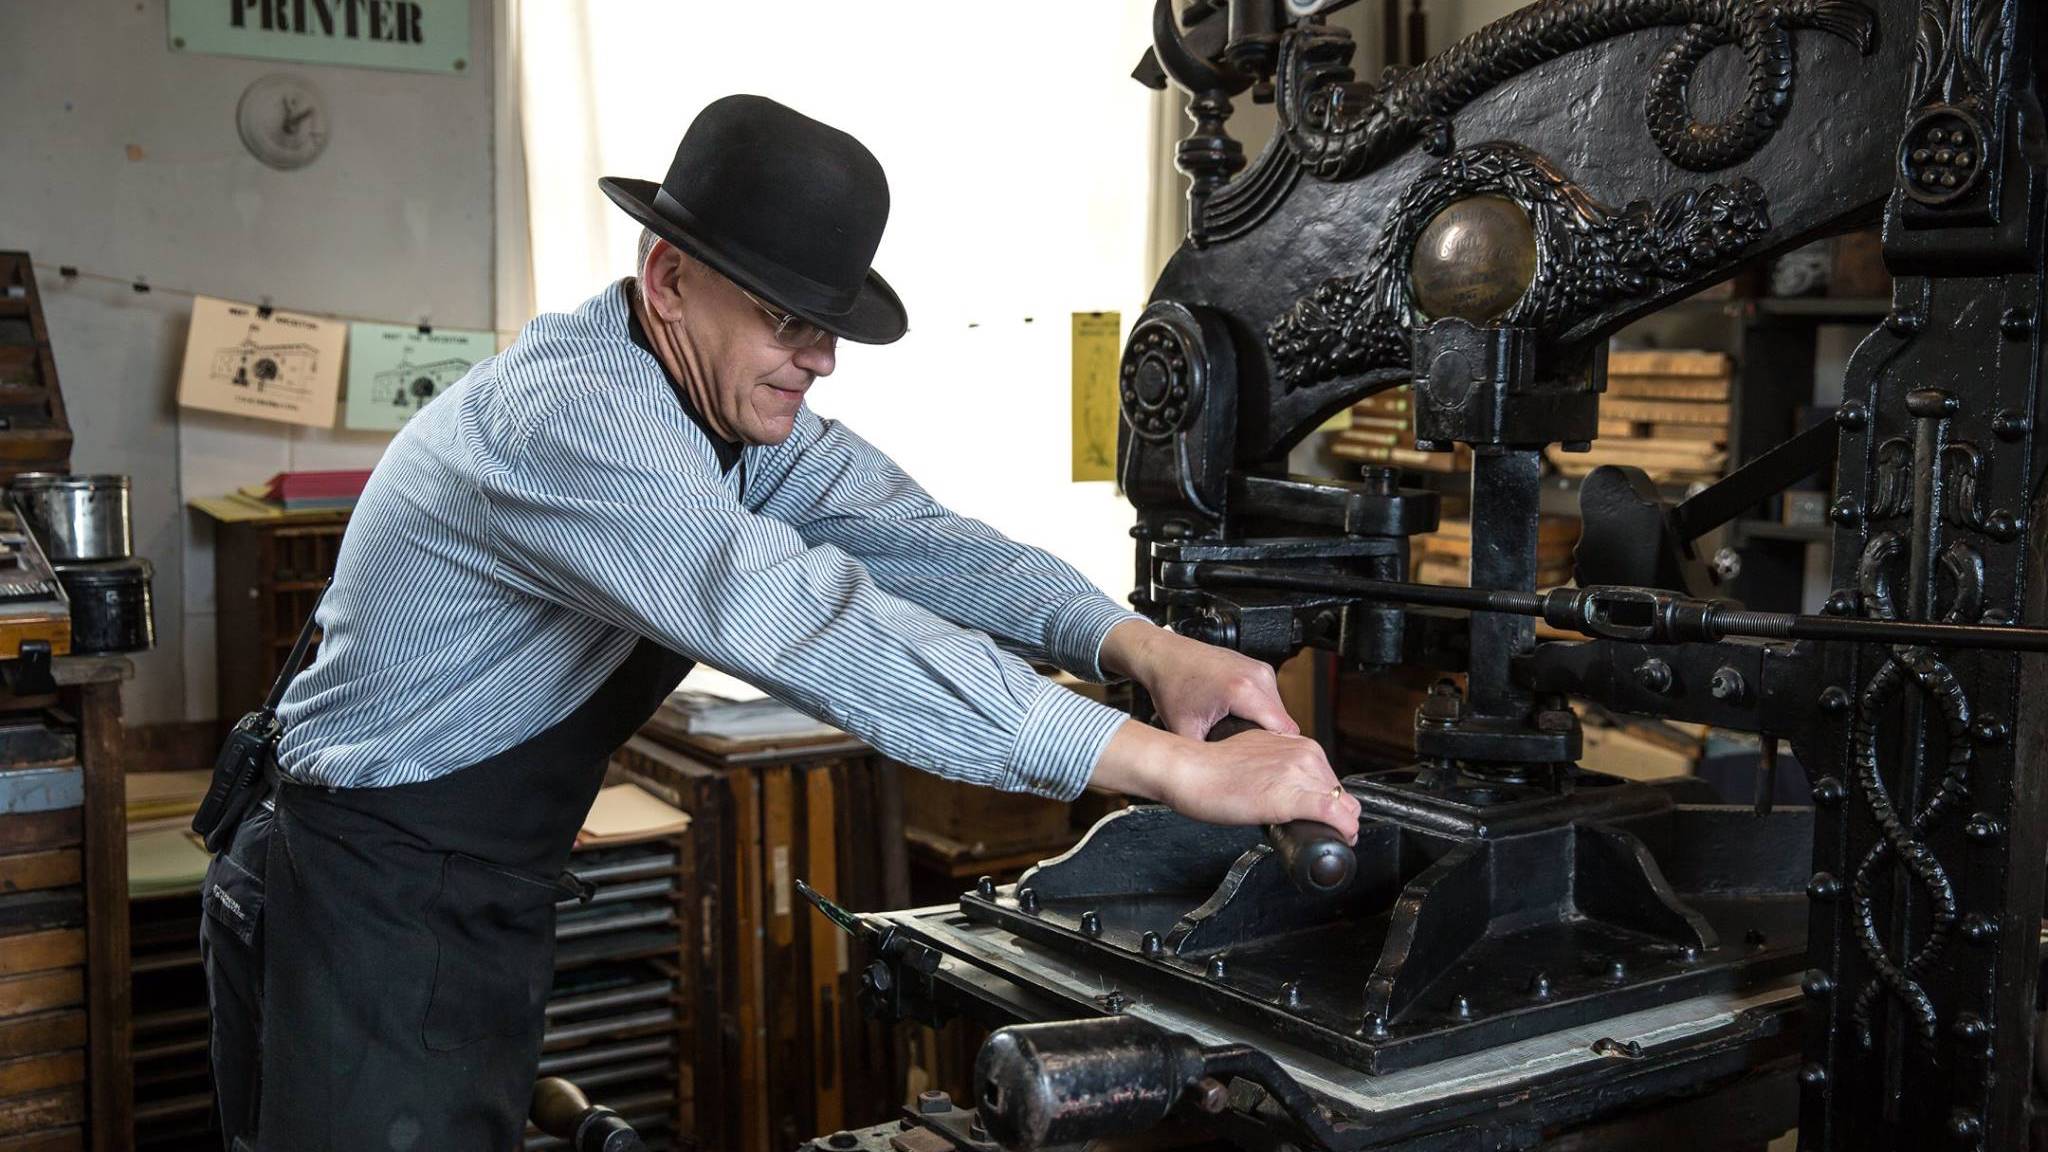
point(785, 207)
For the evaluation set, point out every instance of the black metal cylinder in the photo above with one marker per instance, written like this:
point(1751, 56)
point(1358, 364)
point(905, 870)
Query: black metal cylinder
point(1038, 1085)
point(111, 609)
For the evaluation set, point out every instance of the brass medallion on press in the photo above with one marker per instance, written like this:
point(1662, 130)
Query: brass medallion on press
point(1473, 260)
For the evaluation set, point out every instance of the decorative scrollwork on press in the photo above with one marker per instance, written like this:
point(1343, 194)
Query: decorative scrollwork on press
point(1956, 42)
point(1874, 575)
point(1964, 568)
point(1340, 130)
point(1588, 255)
point(1903, 839)
point(1965, 478)
point(1894, 480)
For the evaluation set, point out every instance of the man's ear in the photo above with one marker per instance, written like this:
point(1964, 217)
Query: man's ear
point(661, 280)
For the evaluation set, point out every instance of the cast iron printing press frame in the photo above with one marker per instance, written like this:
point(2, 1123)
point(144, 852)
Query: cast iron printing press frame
point(1516, 947)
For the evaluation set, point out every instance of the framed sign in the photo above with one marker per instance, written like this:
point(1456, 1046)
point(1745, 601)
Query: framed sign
point(412, 35)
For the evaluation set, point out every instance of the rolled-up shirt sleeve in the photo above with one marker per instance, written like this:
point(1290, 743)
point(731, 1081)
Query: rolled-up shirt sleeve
point(612, 507)
point(835, 488)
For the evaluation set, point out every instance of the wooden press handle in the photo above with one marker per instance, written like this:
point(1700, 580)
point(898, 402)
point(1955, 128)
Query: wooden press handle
point(1314, 855)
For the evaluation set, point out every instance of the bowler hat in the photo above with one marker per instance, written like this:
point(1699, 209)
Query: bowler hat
point(787, 208)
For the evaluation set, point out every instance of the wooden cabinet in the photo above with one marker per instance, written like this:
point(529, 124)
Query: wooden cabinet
point(63, 913)
point(267, 576)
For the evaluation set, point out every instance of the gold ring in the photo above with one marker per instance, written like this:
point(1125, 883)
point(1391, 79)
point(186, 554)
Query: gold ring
point(1337, 792)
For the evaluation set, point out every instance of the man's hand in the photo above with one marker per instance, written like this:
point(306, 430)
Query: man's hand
point(1192, 684)
point(1255, 777)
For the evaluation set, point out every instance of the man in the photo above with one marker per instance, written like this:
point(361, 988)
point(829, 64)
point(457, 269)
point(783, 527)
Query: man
point(537, 560)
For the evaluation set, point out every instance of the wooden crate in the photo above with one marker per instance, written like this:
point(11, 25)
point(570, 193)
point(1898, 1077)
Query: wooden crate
point(984, 819)
point(776, 1050)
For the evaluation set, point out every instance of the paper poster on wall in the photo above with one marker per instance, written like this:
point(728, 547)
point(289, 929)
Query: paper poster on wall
point(1096, 353)
point(283, 366)
point(394, 370)
point(411, 35)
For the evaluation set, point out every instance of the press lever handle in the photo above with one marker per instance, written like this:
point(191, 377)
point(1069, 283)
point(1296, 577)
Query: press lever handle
point(1313, 854)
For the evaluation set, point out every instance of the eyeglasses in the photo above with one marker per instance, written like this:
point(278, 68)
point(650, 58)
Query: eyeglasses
point(791, 330)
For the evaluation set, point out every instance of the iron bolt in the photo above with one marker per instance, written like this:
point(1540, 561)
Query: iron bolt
point(1290, 994)
point(1617, 971)
point(1903, 323)
point(843, 1140)
point(985, 887)
point(878, 978)
point(1373, 1025)
point(1755, 938)
point(1149, 944)
point(1727, 684)
point(1727, 563)
point(1846, 511)
point(1966, 1128)
point(1091, 924)
point(1210, 1095)
point(1217, 970)
point(1539, 986)
point(1813, 1076)
point(1990, 729)
point(1828, 792)
point(934, 1101)
point(2011, 424)
point(1463, 1007)
point(2001, 525)
point(1979, 929)
point(1834, 700)
point(1843, 602)
point(1982, 828)
point(1027, 899)
point(1823, 887)
point(1971, 1029)
point(1379, 479)
point(1655, 675)
point(1818, 984)
point(1853, 415)
point(2017, 323)
point(1689, 955)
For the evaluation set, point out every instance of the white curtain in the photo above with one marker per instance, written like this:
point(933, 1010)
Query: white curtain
point(1019, 153)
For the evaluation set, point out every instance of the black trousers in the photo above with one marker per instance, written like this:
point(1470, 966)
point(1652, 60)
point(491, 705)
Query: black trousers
point(378, 958)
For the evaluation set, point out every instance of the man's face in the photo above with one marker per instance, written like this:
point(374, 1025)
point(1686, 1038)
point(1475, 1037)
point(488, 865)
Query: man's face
point(750, 385)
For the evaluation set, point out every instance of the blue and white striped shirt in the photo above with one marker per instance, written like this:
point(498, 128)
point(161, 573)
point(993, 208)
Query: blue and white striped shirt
point(535, 520)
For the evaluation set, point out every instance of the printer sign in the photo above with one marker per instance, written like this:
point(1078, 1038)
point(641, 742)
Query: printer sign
point(412, 35)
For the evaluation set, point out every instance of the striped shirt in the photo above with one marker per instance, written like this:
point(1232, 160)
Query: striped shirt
point(532, 522)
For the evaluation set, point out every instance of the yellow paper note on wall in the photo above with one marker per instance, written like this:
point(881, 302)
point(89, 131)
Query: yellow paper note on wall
point(1097, 349)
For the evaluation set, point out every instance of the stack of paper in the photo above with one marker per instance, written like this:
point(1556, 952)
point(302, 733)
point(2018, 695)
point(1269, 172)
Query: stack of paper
point(704, 714)
point(163, 861)
point(624, 813)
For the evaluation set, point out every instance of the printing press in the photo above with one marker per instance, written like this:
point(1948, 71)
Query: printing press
point(1516, 952)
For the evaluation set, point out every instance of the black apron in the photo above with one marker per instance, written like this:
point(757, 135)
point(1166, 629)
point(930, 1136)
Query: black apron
point(377, 959)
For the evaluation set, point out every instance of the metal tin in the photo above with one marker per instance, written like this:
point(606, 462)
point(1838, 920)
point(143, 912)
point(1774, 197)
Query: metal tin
point(77, 519)
point(111, 610)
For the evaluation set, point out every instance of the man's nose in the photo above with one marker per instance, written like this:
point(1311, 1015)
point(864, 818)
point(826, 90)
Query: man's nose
point(819, 359)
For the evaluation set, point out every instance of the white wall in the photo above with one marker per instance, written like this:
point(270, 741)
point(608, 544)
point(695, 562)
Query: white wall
point(120, 155)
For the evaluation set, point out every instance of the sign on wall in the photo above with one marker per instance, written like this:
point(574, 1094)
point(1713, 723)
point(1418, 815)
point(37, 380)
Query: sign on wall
point(259, 362)
point(1096, 355)
point(413, 35)
point(394, 370)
